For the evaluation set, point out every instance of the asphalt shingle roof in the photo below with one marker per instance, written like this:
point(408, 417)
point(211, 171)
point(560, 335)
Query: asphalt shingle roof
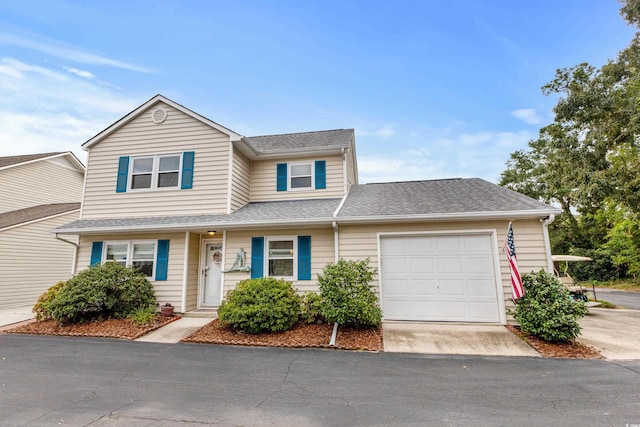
point(262, 213)
point(7, 219)
point(13, 160)
point(444, 196)
point(338, 138)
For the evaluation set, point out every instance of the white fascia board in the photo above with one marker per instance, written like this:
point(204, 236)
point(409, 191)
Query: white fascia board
point(460, 216)
point(158, 98)
point(297, 153)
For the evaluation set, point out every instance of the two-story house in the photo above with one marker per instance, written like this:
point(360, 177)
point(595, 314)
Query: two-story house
point(38, 192)
point(199, 207)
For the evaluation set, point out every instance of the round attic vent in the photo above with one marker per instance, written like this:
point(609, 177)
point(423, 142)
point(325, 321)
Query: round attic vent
point(159, 115)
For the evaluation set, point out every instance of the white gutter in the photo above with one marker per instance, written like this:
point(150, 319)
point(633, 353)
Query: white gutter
point(75, 252)
point(185, 273)
point(345, 180)
point(335, 241)
point(547, 243)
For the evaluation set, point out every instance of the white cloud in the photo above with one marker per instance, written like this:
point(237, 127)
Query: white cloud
point(72, 53)
point(444, 155)
point(80, 73)
point(528, 115)
point(386, 131)
point(43, 110)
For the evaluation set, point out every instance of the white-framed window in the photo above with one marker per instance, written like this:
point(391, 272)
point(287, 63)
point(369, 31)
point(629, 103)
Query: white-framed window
point(156, 171)
point(281, 257)
point(301, 176)
point(135, 253)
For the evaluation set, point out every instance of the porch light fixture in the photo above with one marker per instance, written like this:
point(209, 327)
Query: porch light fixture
point(211, 232)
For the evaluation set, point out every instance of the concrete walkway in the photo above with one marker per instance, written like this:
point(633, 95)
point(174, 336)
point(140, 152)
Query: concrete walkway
point(9, 316)
point(175, 331)
point(615, 333)
point(443, 338)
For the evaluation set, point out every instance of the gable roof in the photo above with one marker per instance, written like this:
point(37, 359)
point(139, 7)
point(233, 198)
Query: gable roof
point(13, 161)
point(34, 213)
point(438, 199)
point(142, 108)
point(303, 141)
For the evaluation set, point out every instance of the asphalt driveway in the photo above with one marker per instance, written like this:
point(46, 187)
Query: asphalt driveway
point(99, 382)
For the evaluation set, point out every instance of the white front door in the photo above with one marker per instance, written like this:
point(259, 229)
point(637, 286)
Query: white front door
point(212, 275)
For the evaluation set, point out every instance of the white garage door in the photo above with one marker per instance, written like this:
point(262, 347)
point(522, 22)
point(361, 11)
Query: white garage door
point(439, 278)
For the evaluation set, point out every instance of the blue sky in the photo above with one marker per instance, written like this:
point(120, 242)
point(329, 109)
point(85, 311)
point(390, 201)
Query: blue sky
point(433, 89)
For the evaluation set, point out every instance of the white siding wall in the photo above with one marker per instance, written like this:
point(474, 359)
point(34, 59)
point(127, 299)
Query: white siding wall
point(360, 241)
point(32, 260)
point(169, 290)
point(351, 169)
point(322, 247)
point(263, 181)
point(178, 133)
point(240, 180)
point(39, 183)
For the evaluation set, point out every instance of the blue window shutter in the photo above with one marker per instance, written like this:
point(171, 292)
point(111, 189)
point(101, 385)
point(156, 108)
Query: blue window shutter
point(257, 257)
point(282, 177)
point(123, 173)
point(96, 253)
point(162, 260)
point(188, 158)
point(321, 174)
point(304, 257)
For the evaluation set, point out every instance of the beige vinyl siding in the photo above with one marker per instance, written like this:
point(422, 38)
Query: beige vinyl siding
point(178, 133)
point(193, 271)
point(263, 180)
point(240, 180)
point(322, 248)
point(39, 183)
point(169, 290)
point(32, 260)
point(360, 241)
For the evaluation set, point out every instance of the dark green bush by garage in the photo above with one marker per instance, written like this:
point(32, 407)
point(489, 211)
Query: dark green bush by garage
point(260, 305)
point(100, 292)
point(546, 310)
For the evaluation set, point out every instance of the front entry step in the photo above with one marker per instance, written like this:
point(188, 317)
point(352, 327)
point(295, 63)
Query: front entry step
point(202, 312)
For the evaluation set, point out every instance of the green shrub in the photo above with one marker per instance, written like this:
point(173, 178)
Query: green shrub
point(143, 315)
point(311, 308)
point(101, 292)
point(546, 310)
point(42, 307)
point(347, 296)
point(260, 305)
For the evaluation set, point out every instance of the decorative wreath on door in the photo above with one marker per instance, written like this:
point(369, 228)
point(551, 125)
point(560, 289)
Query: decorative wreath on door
point(217, 257)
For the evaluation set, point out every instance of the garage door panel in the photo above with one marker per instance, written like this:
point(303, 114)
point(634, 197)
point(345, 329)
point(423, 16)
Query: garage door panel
point(449, 265)
point(439, 278)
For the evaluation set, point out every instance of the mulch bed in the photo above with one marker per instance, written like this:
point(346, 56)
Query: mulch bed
point(110, 328)
point(302, 335)
point(571, 350)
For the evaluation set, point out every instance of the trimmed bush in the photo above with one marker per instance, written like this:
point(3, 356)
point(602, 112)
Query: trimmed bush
point(347, 296)
point(260, 305)
point(546, 310)
point(311, 308)
point(42, 307)
point(101, 292)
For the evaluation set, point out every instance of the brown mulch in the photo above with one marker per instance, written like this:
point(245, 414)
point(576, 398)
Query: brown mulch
point(301, 335)
point(571, 350)
point(110, 328)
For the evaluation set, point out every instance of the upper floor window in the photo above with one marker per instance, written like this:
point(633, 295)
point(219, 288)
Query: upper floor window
point(160, 171)
point(300, 175)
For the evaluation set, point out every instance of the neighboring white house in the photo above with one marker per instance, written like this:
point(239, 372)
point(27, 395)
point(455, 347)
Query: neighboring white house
point(38, 192)
point(199, 207)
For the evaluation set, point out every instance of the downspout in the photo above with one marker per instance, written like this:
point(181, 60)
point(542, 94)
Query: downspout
point(547, 243)
point(345, 179)
point(335, 240)
point(75, 252)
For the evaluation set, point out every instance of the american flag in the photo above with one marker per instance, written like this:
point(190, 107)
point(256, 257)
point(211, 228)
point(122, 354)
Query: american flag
point(516, 280)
